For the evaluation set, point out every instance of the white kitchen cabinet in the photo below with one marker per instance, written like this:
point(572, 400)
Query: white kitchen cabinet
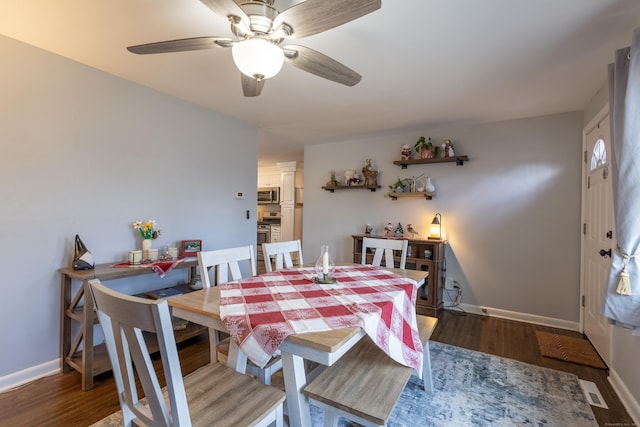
point(276, 233)
point(269, 180)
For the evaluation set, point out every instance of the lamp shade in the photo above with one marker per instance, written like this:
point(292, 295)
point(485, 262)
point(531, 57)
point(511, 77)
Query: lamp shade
point(257, 58)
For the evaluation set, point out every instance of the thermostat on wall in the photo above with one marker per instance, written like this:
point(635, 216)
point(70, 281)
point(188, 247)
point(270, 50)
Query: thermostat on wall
point(239, 195)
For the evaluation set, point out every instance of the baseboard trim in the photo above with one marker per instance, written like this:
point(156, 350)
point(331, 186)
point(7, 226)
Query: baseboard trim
point(520, 317)
point(17, 379)
point(626, 397)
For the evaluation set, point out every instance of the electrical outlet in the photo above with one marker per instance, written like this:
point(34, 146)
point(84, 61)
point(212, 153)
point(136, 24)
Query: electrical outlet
point(448, 283)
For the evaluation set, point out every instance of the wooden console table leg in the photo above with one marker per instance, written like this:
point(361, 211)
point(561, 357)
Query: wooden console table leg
point(87, 333)
point(65, 323)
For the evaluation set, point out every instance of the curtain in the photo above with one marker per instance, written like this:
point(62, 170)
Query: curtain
point(622, 301)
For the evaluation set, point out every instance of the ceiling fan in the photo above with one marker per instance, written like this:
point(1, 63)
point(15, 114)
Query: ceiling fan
point(260, 29)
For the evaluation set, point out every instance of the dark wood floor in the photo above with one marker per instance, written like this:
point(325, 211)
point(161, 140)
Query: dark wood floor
point(58, 400)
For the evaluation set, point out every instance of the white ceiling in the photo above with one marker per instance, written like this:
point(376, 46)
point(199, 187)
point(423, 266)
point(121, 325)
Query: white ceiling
point(425, 63)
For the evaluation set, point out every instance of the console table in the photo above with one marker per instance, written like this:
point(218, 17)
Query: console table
point(429, 301)
point(81, 354)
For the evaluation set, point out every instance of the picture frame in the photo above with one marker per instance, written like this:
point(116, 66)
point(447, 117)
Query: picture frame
point(191, 247)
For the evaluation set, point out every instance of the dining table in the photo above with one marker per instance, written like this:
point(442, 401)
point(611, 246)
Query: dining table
point(324, 347)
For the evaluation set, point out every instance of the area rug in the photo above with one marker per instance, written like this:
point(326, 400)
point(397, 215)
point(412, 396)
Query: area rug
point(478, 389)
point(569, 349)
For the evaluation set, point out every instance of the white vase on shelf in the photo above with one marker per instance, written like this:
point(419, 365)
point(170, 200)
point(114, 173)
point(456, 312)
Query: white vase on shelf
point(429, 187)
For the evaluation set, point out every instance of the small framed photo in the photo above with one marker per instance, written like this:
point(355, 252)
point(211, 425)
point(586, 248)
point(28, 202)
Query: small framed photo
point(191, 247)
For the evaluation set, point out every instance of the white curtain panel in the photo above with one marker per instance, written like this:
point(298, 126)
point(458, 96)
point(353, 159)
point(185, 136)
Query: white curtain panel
point(622, 302)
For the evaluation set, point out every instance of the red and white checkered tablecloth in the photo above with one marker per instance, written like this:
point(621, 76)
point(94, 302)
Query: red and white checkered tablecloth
point(261, 311)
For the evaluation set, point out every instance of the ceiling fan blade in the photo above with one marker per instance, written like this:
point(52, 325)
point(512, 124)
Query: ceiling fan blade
point(319, 64)
point(181, 45)
point(250, 86)
point(315, 16)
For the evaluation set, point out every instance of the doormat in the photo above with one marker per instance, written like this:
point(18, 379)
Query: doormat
point(569, 349)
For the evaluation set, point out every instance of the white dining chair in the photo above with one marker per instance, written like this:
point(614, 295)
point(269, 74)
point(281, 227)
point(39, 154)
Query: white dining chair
point(225, 265)
point(385, 247)
point(201, 398)
point(283, 253)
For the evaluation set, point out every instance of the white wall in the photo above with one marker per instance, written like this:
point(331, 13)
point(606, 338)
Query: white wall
point(85, 152)
point(512, 213)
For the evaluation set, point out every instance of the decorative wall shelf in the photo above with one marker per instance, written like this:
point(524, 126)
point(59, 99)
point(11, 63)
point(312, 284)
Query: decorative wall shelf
point(459, 160)
point(427, 196)
point(352, 187)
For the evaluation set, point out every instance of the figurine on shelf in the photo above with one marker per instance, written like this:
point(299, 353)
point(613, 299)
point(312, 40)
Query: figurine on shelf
point(388, 229)
point(399, 231)
point(411, 230)
point(351, 177)
point(370, 176)
point(332, 182)
point(405, 154)
point(447, 148)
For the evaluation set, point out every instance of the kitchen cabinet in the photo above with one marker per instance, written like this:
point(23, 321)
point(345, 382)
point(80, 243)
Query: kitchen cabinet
point(269, 180)
point(426, 255)
point(276, 233)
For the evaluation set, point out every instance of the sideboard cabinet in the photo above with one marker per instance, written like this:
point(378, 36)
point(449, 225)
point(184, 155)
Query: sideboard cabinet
point(79, 309)
point(424, 255)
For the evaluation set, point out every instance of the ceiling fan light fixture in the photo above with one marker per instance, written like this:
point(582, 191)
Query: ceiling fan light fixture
point(258, 58)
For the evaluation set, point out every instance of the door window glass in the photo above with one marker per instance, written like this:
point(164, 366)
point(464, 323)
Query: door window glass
point(599, 155)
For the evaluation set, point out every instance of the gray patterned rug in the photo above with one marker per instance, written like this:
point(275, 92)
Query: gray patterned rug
point(478, 389)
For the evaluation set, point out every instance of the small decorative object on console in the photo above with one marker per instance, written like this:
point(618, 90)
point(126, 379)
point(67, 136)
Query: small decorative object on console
point(82, 259)
point(388, 229)
point(411, 230)
point(191, 248)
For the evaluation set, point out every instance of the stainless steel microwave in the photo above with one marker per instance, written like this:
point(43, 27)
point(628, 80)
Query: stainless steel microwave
point(267, 196)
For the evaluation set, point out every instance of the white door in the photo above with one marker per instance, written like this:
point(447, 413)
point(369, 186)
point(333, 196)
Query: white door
point(598, 234)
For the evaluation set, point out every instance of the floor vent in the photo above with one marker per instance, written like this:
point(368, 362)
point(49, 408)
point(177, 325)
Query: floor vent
point(592, 394)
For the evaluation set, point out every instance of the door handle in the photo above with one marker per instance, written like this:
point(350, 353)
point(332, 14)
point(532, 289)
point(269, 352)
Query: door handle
point(605, 253)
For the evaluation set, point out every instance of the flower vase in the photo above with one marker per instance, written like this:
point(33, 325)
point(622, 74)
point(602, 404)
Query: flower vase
point(146, 244)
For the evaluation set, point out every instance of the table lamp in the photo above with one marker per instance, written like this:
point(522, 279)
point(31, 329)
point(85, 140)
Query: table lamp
point(435, 231)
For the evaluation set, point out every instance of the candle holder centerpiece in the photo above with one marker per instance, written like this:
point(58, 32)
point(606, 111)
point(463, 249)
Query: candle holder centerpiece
point(325, 267)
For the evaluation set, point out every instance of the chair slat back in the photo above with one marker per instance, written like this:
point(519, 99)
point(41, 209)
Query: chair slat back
point(282, 252)
point(123, 319)
point(384, 247)
point(225, 261)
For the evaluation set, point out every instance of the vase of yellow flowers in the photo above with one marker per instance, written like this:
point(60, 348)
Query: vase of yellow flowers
point(148, 231)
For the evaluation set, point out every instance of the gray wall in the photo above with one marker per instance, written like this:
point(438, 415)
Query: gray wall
point(85, 152)
point(512, 213)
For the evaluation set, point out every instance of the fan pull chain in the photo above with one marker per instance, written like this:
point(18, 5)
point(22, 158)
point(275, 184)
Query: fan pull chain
point(624, 284)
